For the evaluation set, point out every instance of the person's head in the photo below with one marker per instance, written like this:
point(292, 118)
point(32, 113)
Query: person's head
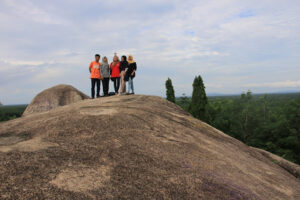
point(130, 59)
point(116, 58)
point(97, 57)
point(123, 58)
point(104, 59)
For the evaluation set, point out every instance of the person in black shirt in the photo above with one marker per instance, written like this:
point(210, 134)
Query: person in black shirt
point(130, 73)
point(123, 70)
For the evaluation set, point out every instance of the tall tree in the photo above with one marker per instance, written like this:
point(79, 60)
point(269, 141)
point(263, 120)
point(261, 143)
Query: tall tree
point(246, 98)
point(170, 91)
point(199, 99)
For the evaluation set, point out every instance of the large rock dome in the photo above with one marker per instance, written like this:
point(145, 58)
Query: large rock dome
point(133, 147)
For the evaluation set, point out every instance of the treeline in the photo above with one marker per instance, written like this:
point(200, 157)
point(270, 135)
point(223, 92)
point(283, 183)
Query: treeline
point(270, 122)
point(11, 112)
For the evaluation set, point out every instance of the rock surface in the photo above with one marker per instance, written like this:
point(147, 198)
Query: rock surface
point(54, 97)
point(132, 147)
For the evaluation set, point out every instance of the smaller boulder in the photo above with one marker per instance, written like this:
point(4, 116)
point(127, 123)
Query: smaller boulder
point(54, 97)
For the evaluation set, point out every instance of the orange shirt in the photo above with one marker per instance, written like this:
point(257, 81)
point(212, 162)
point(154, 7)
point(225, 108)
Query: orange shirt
point(95, 69)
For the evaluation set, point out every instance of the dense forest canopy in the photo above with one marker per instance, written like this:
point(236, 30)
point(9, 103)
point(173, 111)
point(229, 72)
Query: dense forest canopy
point(11, 112)
point(270, 122)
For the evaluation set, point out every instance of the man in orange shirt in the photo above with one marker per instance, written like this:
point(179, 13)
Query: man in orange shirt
point(95, 75)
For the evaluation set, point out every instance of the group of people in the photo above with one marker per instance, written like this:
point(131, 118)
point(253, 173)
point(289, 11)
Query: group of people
point(117, 71)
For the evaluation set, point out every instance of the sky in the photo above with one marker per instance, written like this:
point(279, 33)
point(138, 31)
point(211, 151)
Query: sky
point(234, 45)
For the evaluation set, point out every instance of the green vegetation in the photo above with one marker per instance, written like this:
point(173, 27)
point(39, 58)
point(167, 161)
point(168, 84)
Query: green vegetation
point(199, 100)
point(170, 91)
point(270, 122)
point(11, 112)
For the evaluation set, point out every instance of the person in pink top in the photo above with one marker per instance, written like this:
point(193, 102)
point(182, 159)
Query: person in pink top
point(115, 73)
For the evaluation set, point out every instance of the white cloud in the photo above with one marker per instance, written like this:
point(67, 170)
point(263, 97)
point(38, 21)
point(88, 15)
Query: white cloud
point(22, 62)
point(279, 84)
point(48, 74)
point(51, 42)
point(28, 10)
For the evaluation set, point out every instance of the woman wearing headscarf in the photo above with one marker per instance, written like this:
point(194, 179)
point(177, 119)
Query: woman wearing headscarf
point(130, 74)
point(123, 69)
point(105, 71)
point(115, 73)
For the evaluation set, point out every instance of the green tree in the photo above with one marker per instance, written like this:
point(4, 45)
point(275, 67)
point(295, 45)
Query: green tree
point(292, 114)
point(199, 99)
point(170, 91)
point(246, 128)
point(184, 102)
point(2, 117)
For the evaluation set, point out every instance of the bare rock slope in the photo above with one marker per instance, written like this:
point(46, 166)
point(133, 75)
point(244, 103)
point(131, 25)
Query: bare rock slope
point(54, 97)
point(132, 147)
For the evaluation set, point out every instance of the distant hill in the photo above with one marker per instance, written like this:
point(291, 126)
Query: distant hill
point(133, 147)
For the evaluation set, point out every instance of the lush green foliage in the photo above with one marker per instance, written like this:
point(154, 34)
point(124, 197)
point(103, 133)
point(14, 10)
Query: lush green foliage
point(11, 112)
point(270, 122)
point(170, 91)
point(199, 100)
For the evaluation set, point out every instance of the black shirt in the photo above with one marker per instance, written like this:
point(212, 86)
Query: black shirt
point(131, 68)
point(124, 65)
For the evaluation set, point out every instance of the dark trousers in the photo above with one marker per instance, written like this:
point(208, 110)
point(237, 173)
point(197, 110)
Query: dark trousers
point(105, 85)
point(116, 84)
point(94, 82)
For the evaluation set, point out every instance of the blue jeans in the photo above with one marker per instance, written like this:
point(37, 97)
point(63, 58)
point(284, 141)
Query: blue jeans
point(130, 85)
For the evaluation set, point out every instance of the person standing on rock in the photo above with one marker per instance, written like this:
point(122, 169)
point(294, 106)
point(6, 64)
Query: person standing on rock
point(123, 69)
point(95, 75)
point(130, 74)
point(105, 72)
point(115, 73)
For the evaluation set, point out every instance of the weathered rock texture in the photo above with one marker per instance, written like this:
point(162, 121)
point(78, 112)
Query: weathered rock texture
point(54, 97)
point(132, 147)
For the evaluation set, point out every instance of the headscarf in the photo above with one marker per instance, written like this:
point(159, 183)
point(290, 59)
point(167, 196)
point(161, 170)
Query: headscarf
point(130, 59)
point(125, 58)
point(103, 60)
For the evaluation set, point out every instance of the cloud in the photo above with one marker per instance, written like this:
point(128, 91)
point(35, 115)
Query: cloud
point(232, 44)
point(279, 84)
point(28, 10)
point(48, 74)
point(22, 62)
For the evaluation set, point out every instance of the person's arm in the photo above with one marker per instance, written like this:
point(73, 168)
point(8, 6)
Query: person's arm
point(126, 67)
point(134, 69)
point(110, 71)
point(101, 69)
point(90, 68)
